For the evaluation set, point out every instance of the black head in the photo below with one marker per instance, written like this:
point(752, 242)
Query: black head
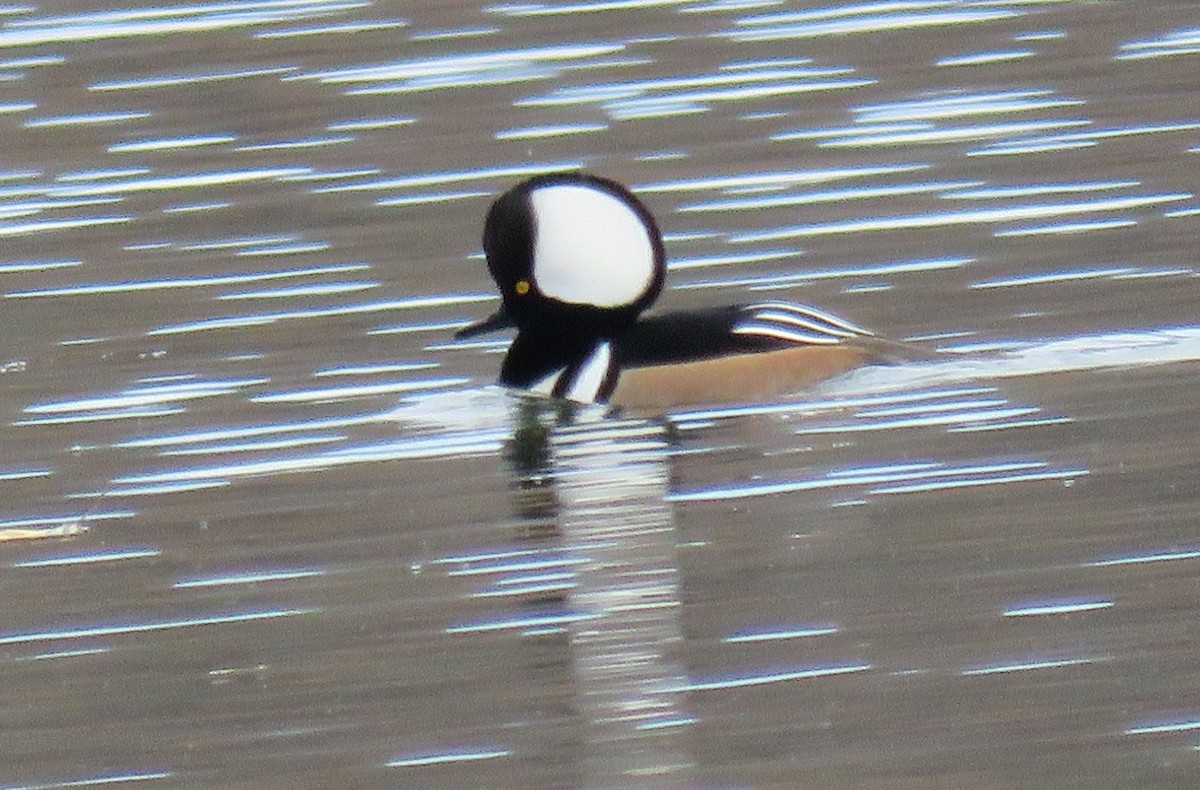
point(573, 253)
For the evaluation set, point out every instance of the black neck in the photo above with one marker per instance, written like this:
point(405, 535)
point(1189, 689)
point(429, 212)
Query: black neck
point(535, 355)
point(569, 363)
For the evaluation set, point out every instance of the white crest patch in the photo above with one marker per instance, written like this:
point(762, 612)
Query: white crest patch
point(590, 247)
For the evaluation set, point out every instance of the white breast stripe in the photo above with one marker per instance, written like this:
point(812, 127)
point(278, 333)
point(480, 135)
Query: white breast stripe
point(591, 376)
point(546, 385)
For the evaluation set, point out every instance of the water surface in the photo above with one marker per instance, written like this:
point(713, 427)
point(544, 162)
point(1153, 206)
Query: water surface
point(265, 523)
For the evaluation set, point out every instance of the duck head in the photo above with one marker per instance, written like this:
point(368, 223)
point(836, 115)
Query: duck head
point(572, 254)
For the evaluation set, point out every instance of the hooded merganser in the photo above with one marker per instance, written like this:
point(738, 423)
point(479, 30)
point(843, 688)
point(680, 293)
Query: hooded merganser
point(577, 258)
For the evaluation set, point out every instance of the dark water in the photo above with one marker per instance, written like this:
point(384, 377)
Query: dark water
point(263, 524)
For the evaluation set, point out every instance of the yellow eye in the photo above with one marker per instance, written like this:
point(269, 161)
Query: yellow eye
point(522, 287)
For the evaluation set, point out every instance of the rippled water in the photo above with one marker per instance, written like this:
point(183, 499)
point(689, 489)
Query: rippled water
point(263, 523)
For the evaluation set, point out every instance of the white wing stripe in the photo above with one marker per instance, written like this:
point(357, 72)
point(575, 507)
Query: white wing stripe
point(810, 313)
point(785, 333)
point(795, 320)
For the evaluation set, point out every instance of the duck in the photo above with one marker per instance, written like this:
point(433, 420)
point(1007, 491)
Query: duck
point(578, 259)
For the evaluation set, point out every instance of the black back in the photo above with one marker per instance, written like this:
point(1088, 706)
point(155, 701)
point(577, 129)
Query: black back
point(687, 336)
